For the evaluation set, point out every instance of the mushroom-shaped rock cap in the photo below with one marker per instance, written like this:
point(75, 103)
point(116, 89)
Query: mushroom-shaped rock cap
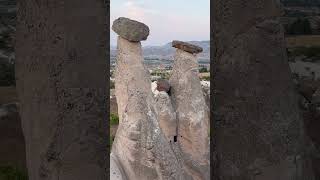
point(130, 30)
point(163, 85)
point(191, 48)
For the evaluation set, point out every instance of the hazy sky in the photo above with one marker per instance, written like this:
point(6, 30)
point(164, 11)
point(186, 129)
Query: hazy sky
point(168, 20)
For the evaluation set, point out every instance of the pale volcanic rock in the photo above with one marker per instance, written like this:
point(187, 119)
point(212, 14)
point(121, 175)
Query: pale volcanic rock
point(140, 147)
point(154, 88)
point(115, 172)
point(166, 115)
point(130, 29)
point(192, 114)
point(191, 48)
point(147, 144)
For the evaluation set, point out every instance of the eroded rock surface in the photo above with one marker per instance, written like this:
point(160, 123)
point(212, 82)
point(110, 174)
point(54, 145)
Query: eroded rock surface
point(140, 146)
point(61, 86)
point(166, 116)
point(157, 139)
point(192, 115)
point(258, 130)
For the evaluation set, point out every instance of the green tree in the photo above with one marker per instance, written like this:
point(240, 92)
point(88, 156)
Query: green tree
point(7, 77)
point(12, 173)
point(299, 27)
point(307, 26)
point(203, 70)
point(114, 119)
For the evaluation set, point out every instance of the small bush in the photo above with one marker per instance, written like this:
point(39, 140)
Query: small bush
point(112, 85)
point(12, 173)
point(7, 74)
point(6, 41)
point(114, 119)
point(207, 78)
point(299, 27)
point(203, 70)
point(309, 52)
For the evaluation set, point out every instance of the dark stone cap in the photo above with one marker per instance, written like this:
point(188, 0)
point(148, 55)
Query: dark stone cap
point(163, 85)
point(130, 29)
point(187, 47)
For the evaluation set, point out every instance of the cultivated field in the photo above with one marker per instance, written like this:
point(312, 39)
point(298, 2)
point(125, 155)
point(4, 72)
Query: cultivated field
point(303, 41)
point(8, 95)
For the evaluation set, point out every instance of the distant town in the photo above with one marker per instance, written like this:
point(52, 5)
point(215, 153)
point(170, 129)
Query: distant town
point(159, 61)
point(161, 69)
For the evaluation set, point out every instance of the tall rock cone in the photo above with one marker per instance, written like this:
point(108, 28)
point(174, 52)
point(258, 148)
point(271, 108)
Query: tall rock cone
point(192, 111)
point(61, 85)
point(258, 129)
point(140, 150)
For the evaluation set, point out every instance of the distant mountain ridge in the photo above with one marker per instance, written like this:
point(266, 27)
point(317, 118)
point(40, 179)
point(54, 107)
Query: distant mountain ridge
point(167, 51)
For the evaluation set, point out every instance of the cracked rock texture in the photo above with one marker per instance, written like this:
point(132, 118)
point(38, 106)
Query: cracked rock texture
point(192, 115)
point(166, 115)
point(258, 128)
point(140, 148)
point(156, 138)
point(60, 71)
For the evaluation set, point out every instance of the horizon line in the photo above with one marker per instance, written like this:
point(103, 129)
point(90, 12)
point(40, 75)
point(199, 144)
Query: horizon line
point(111, 44)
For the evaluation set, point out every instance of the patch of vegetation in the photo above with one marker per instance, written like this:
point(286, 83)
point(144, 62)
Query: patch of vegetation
point(6, 41)
point(12, 173)
point(7, 74)
point(203, 70)
point(206, 78)
point(161, 74)
point(299, 27)
point(112, 85)
point(165, 76)
point(309, 52)
point(114, 119)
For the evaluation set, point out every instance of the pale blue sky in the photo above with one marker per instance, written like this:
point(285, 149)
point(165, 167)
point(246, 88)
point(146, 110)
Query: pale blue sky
point(168, 20)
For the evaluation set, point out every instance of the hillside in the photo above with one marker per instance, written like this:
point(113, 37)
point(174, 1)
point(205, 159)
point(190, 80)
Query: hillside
point(167, 52)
